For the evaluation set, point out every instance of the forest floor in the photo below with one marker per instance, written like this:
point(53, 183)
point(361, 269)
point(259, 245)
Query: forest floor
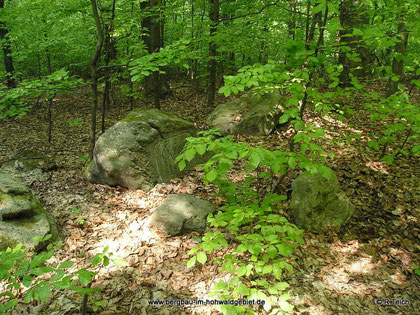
point(335, 272)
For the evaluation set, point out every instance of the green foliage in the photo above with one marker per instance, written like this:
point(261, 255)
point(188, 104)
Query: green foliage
point(416, 269)
point(37, 277)
point(403, 126)
point(84, 159)
point(171, 55)
point(75, 122)
point(263, 239)
point(18, 101)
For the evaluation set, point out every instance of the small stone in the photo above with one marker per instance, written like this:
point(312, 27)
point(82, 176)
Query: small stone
point(181, 214)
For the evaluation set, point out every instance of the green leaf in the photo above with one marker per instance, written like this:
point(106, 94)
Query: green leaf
point(283, 119)
point(389, 159)
point(119, 262)
point(373, 144)
point(66, 264)
point(221, 285)
point(324, 171)
point(85, 276)
point(254, 160)
point(190, 154)
point(191, 262)
point(10, 304)
point(201, 148)
point(292, 162)
point(182, 164)
point(201, 258)
point(243, 290)
point(58, 275)
point(42, 291)
point(27, 280)
point(318, 8)
point(212, 175)
point(97, 259)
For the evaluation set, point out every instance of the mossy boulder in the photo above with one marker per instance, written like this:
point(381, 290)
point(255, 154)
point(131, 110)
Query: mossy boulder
point(22, 217)
point(139, 151)
point(249, 114)
point(318, 203)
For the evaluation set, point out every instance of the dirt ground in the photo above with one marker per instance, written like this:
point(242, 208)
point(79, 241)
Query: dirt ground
point(351, 271)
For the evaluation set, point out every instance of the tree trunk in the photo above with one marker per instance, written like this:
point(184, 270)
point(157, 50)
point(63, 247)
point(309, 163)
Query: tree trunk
point(351, 16)
point(397, 61)
point(152, 40)
point(214, 19)
point(292, 21)
point(109, 54)
point(7, 53)
point(94, 75)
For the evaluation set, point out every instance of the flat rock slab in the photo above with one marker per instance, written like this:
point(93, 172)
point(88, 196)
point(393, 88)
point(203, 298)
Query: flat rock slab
point(27, 161)
point(181, 214)
point(22, 216)
point(318, 203)
point(249, 114)
point(139, 151)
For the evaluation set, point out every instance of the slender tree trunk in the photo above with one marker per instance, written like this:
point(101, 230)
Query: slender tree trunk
point(164, 78)
point(214, 19)
point(146, 25)
point(155, 47)
point(7, 53)
point(49, 117)
point(152, 39)
point(108, 56)
point(39, 66)
point(94, 75)
point(397, 61)
point(292, 21)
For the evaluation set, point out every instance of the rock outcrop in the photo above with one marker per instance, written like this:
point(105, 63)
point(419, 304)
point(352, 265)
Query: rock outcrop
point(22, 216)
point(181, 214)
point(27, 161)
point(318, 203)
point(249, 114)
point(139, 151)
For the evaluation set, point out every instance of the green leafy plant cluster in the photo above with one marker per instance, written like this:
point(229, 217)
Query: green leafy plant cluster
point(174, 54)
point(35, 278)
point(403, 127)
point(17, 102)
point(403, 117)
point(255, 237)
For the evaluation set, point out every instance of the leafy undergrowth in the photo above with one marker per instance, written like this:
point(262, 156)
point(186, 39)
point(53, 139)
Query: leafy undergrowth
point(335, 273)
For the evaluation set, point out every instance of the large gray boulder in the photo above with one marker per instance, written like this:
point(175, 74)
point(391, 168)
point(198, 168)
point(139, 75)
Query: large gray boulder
point(139, 151)
point(181, 214)
point(249, 114)
point(22, 216)
point(318, 203)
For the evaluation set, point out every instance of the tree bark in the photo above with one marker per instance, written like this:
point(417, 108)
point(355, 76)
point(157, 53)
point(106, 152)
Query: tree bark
point(7, 53)
point(351, 16)
point(212, 66)
point(397, 61)
point(152, 39)
point(109, 55)
point(94, 75)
